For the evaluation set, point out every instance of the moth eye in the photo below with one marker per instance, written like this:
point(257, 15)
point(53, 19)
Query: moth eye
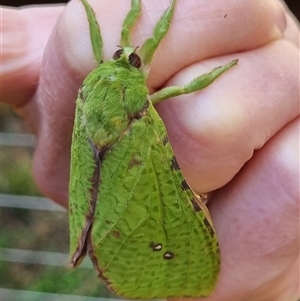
point(117, 54)
point(135, 61)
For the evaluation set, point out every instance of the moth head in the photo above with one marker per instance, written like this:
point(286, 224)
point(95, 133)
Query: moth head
point(128, 54)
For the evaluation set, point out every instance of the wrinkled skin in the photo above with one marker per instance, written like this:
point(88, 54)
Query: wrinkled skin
point(239, 135)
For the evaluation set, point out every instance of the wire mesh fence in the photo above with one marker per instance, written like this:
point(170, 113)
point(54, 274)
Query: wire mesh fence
point(34, 237)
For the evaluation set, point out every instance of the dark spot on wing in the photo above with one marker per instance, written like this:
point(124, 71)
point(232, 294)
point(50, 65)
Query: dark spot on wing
point(184, 185)
point(108, 222)
point(209, 227)
point(195, 205)
point(96, 265)
point(225, 16)
point(155, 247)
point(134, 162)
point(174, 164)
point(168, 255)
point(116, 234)
point(165, 140)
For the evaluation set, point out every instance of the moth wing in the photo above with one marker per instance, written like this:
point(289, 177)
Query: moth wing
point(83, 187)
point(147, 240)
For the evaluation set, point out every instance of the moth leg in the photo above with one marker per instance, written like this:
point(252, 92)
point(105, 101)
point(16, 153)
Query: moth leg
point(196, 84)
point(129, 21)
point(159, 31)
point(83, 244)
point(95, 34)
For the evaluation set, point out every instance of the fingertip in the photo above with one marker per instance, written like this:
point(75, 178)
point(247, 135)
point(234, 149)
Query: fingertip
point(24, 34)
point(256, 217)
point(19, 66)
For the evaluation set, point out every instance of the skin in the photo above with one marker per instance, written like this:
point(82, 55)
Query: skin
point(255, 106)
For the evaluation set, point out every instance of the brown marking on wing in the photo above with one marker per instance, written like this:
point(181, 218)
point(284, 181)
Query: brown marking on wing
point(82, 248)
point(184, 185)
point(209, 227)
point(174, 164)
point(195, 205)
point(116, 234)
point(134, 162)
point(165, 140)
point(96, 265)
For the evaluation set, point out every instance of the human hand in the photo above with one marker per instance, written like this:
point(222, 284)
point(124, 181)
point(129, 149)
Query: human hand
point(254, 105)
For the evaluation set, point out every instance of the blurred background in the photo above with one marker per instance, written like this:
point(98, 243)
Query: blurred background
point(294, 5)
point(34, 231)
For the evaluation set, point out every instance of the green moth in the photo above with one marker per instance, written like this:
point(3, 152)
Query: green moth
point(146, 231)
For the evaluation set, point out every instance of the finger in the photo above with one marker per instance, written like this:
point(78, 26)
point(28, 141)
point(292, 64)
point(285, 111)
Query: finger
point(24, 34)
point(291, 32)
point(201, 31)
point(198, 39)
point(215, 131)
point(257, 221)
